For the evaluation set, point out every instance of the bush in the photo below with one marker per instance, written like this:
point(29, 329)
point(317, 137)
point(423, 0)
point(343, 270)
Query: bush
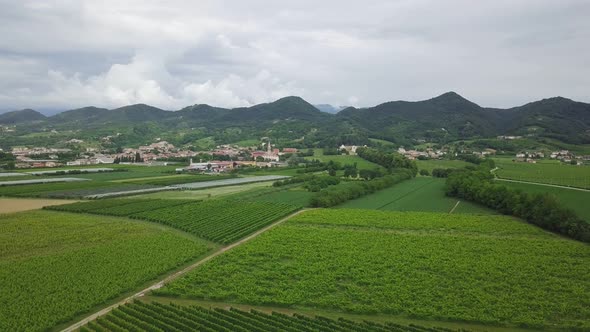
point(424, 172)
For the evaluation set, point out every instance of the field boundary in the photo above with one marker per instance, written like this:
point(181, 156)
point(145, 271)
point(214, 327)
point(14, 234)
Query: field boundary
point(177, 274)
point(542, 184)
point(454, 207)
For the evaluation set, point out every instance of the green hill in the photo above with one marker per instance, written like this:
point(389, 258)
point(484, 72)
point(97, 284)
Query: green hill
point(26, 115)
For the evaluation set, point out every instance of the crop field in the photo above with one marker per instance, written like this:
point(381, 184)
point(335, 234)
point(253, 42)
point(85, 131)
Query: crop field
point(577, 200)
point(293, 195)
point(431, 164)
point(483, 269)
point(55, 266)
point(119, 207)
point(219, 221)
point(140, 316)
point(343, 159)
point(419, 194)
point(547, 172)
point(11, 205)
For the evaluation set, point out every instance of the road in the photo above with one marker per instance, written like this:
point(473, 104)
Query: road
point(176, 274)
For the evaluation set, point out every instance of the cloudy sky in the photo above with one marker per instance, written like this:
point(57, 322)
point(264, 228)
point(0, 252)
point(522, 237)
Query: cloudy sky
point(65, 54)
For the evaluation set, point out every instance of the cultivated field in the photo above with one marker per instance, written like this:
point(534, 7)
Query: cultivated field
point(419, 194)
point(487, 269)
point(431, 164)
point(10, 205)
point(544, 172)
point(54, 266)
point(577, 200)
point(219, 221)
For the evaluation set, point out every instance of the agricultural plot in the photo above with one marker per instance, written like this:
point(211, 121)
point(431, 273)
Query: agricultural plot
point(219, 221)
point(54, 266)
point(119, 207)
point(494, 270)
point(578, 201)
point(419, 194)
point(545, 172)
point(208, 193)
point(140, 316)
point(38, 181)
point(431, 164)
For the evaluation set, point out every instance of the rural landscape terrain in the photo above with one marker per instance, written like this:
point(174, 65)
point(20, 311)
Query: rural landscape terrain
point(294, 166)
point(280, 233)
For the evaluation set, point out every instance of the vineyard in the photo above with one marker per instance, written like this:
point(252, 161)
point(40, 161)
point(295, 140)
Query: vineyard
point(119, 207)
point(140, 316)
point(481, 269)
point(219, 221)
point(544, 172)
point(55, 266)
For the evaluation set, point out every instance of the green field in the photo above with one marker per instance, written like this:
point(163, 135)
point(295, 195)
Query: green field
point(486, 269)
point(54, 266)
point(419, 194)
point(343, 159)
point(544, 172)
point(431, 164)
point(577, 200)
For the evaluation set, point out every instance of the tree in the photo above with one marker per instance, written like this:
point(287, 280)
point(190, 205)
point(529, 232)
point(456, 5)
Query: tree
point(138, 158)
point(424, 172)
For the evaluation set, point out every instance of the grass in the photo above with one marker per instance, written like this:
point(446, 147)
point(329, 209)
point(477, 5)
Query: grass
point(483, 269)
point(574, 199)
point(343, 159)
point(419, 194)
point(55, 266)
point(431, 164)
point(544, 172)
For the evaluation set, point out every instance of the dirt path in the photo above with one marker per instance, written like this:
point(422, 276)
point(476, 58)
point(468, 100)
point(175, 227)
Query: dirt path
point(543, 184)
point(177, 274)
point(454, 207)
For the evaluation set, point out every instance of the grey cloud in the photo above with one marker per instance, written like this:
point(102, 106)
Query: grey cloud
point(63, 54)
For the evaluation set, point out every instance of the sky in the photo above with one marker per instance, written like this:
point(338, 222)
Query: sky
point(61, 54)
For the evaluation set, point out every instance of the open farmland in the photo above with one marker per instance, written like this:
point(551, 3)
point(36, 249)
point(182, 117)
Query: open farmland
point(54, 266)
point(419, 194)
point(544, 172)
point(140, 316)
point(487, 269)
point(577, 200)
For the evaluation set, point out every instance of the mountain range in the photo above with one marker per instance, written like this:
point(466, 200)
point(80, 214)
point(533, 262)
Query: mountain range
point(447, 117)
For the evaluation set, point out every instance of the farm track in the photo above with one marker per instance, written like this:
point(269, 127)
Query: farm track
point(175, 275)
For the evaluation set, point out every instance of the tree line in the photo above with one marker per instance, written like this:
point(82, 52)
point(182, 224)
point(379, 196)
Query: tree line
point(542, 210)
point(335, 195)
point(390, 161)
